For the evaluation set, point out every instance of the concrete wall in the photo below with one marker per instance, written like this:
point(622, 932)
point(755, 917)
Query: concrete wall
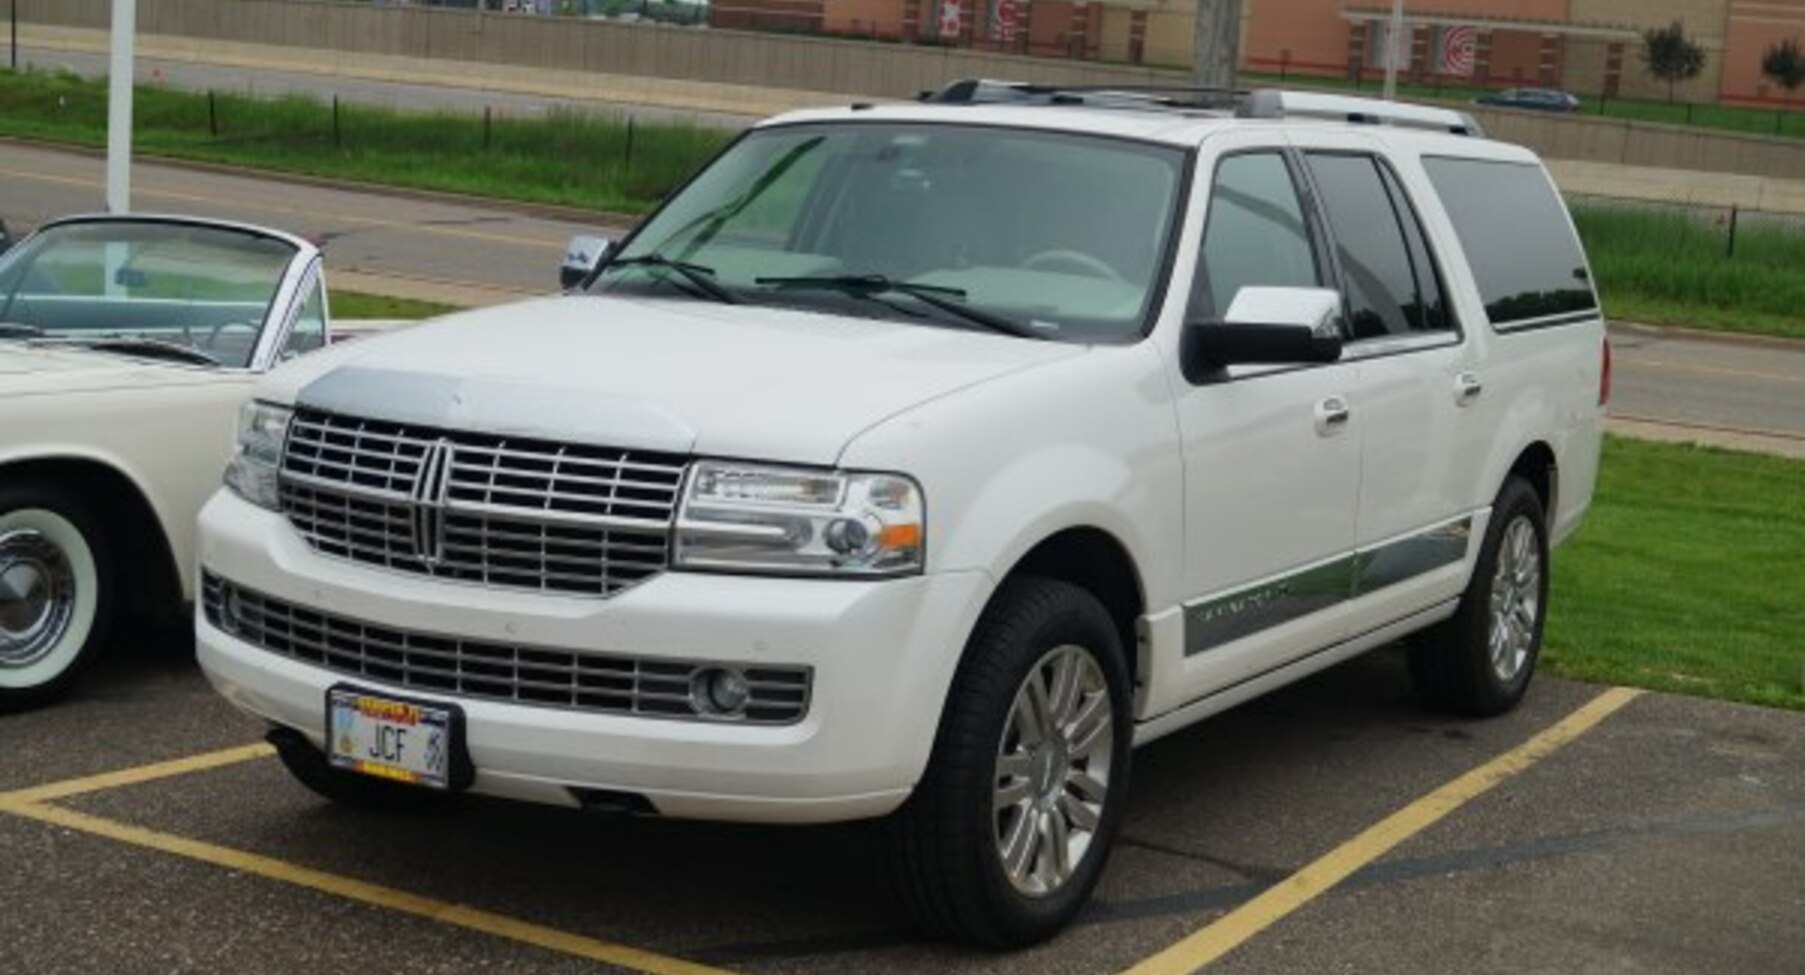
point(769, 60)
point(1643, 144)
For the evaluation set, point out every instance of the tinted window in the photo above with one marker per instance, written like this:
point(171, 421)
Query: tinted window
point(1517, 240)
point(1256, 234)
point(1383, 292)
point(1430, 312)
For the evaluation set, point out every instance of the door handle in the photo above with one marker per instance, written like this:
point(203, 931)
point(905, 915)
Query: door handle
point(1331, 416)
point(1467, 388)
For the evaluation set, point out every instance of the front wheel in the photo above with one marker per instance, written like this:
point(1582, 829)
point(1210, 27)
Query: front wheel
point(1480, 661)
point(1008, 830)
point(55, 593)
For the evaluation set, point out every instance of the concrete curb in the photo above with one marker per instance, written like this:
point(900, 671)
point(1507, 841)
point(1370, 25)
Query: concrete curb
point(1747, 339)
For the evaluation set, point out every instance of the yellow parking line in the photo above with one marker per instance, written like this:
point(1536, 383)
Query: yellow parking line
point(442, 912)
point(1304, 886)
point(133, 776)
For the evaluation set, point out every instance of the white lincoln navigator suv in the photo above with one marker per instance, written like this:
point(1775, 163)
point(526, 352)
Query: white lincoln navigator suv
point(919, 462)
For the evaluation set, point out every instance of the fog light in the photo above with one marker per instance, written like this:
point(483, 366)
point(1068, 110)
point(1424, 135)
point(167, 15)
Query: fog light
point(719, 691)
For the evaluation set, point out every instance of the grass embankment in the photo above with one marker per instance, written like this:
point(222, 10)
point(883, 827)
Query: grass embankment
point(1686, 576)
point(1672, 267)
point(1788, 121)
point(564, 157)
point(348, 305)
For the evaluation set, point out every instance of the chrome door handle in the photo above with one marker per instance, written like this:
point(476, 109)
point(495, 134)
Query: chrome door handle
point(1467, 388)
point(1331, 416)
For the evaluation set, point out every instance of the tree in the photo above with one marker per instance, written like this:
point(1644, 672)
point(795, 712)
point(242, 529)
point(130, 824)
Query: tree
point(1784, 65)
point(1672, 56)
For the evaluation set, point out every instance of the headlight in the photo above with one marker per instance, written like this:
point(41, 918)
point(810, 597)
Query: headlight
point(252, 473)
point(793, 521)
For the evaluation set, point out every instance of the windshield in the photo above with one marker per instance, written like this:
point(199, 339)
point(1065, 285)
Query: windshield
point(1043, 234)
point(202, 288)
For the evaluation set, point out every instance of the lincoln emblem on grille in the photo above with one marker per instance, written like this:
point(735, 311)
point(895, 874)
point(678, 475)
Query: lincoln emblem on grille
point(428, 496)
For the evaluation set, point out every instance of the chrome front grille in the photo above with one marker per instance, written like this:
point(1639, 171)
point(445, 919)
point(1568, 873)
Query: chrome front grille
point(535, 676)
point(500, 511)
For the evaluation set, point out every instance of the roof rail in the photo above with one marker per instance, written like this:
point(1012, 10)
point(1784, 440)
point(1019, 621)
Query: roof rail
point(989, 91)
point(1273, 103)
point(1264, 103)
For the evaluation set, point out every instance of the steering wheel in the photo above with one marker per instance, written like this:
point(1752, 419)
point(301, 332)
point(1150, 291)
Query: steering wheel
point(1078, 261)
point(213, 334)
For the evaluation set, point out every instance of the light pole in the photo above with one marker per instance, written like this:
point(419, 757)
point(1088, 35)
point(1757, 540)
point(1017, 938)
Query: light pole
point(1394, 35)
point(119, 108)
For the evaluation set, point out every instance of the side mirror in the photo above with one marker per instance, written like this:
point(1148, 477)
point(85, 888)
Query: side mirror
point(581, 257)
point(1270, 326)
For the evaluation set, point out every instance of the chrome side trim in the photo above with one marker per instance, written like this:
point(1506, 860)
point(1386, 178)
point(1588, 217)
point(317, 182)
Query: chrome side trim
point(1392, 345)
point(1218, 620)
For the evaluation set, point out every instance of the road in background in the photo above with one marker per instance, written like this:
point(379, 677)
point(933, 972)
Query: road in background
point(190, 76)
point(472, 252)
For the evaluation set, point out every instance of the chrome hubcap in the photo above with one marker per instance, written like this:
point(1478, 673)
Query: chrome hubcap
point(1516, 598)
point(37, 596)
point(1052, 770)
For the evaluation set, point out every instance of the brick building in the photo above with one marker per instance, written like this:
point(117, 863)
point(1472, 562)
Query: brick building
point(1589, 46)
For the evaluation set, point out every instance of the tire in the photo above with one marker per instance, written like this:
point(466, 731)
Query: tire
point(309, 767)
point(1480, 661)
point(948, 843)
point(56, 593)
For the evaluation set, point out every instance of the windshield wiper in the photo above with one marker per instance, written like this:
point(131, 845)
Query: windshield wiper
point(871, 285)
point(146, 347)
point(19, 330)
point(697, 274)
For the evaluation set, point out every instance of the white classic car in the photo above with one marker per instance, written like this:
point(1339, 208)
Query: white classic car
point(127, 344)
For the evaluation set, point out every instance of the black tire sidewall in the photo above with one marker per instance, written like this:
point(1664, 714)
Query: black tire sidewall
point(1008, 650)
point(1469, 632)
point(29, 496)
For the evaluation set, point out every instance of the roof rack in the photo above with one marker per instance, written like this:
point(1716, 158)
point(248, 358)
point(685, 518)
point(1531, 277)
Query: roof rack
point(989, 91)
point(1273, 103)
point(1264, 103)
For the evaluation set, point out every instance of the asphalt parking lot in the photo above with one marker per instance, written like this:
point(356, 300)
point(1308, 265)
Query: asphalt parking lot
point(1333, 827)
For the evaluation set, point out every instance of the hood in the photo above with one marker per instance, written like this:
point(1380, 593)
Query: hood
point(29, 370)
point(669, 375)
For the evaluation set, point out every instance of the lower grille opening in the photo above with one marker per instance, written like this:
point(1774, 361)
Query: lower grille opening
point(525, 675)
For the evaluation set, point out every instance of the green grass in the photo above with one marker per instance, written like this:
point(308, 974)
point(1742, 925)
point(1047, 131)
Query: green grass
point(1687, 576)
point(347, 305)
point(565, 157)
point(1788, 122)
point(1670, 267)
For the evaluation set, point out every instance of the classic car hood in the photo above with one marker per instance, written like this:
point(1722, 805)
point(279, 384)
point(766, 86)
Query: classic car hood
point(679, 376)
point(28, 370)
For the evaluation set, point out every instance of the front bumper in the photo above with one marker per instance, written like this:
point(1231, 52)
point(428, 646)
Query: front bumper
point(883, 655)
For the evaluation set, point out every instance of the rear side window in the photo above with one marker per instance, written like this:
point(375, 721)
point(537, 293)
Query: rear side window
point(1514, 229)
point(1391, 285)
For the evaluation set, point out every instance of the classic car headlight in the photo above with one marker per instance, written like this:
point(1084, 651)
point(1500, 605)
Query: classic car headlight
point(794, 521)
point(252, 473)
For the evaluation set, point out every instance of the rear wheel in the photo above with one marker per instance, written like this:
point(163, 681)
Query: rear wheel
point(1480, 661)
point(1008, 830)
point(56, 579)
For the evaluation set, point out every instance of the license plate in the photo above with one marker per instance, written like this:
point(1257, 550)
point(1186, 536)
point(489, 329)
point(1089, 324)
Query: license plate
point(402, 741)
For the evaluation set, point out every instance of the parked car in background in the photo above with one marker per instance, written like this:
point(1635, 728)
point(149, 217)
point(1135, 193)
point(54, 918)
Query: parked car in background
point(127, 344)
point(1534, 99)
point(919, 461)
